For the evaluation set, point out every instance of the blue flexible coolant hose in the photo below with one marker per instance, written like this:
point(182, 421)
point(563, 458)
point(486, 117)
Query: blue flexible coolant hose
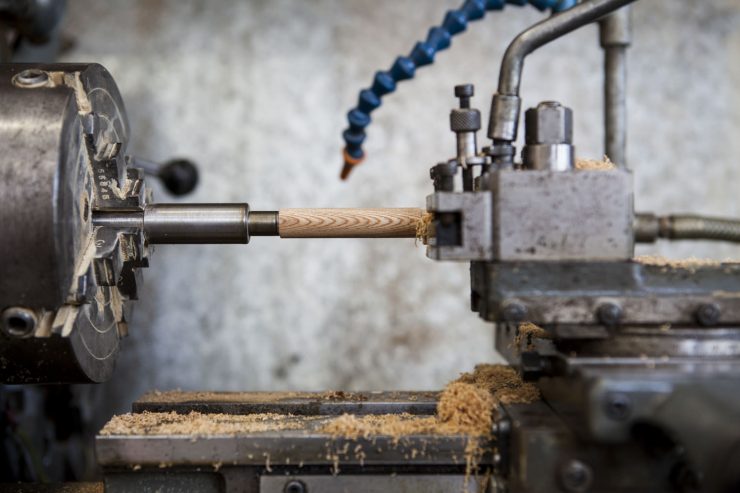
point(438, 39)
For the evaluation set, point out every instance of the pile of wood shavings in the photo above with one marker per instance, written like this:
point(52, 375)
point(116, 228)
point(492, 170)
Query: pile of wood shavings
point(527, 332)
point(594, 165)
point(424, 228)
point(199, 424)
point(465, 407)
point(503, 383)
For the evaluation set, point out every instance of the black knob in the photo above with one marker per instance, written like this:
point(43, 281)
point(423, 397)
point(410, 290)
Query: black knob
point(464, 92)
point(179, 176)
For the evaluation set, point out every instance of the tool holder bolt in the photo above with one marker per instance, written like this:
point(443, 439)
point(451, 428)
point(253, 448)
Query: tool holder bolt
point(576, 476)
point(609, 314)
point(513, 312)
point(707, 314)
point(30, 78)
point(295, 486)
point(18, 321)
point(617, 406)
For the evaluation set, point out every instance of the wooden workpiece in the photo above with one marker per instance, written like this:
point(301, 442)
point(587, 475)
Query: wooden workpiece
point(349, 223)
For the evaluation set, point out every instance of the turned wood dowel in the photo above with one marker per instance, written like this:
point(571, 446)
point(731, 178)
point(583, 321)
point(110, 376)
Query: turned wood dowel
point(349, 223)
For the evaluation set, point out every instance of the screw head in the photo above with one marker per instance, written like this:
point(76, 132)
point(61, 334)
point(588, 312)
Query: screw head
point(609, 314)
point(18, 321)
point(617, 406)
point(513, 312)
point(31, 78)
point(464, 90)
point(707, 314)
point(576, 476)
point(295, 486)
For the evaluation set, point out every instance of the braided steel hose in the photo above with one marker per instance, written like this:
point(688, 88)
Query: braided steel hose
point(649, 227)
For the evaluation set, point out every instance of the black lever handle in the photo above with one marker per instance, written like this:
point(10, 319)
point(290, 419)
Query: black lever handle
point(179, 176)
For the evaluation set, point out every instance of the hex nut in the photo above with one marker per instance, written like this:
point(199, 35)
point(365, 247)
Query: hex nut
point(549, 123)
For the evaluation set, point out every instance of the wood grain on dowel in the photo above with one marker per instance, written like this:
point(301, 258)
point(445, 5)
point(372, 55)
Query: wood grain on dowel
point(349, 223)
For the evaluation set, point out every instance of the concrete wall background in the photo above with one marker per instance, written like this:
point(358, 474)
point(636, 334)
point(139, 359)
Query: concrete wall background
point(256, 92)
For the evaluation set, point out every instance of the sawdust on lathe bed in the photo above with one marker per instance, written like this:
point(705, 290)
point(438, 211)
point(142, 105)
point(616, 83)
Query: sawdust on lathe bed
point(465, 407)
point(594, 164)
point(199, 424)
point(503, 383)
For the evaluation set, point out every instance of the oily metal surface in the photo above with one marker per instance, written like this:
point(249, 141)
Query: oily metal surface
point(39, 135)
point(295, 403)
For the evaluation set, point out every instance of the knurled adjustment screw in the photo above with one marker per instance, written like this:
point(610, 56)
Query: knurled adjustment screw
point(464, 119)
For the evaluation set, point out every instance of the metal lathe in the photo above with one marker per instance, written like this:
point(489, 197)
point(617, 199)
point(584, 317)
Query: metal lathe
point(637, 361)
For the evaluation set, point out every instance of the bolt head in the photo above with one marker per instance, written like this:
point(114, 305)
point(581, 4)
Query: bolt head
point(513, 312)
point(18, 322)
point(617, 406)
point(295, 486)
point(609, 314)
point(31, 78)
point(464, 90)
point(707, 314)
point(576, 476)
point(549, 123)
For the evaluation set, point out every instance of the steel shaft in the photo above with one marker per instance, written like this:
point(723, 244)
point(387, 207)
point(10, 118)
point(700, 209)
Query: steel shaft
point(193, 223)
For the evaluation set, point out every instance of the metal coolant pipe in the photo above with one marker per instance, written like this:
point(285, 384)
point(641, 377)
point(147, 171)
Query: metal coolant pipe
point(506, 104)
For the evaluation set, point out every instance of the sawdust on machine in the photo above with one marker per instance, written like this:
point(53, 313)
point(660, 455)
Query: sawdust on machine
point(604, 164)
point(503, 383)
point(200, 424)
point(465, 407)
point(424, 229)
point(527, 332)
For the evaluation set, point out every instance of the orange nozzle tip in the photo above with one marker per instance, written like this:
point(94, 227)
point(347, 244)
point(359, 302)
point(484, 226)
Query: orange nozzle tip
point(349, 163)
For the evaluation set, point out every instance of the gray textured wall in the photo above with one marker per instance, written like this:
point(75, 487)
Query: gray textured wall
point(256, 93)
